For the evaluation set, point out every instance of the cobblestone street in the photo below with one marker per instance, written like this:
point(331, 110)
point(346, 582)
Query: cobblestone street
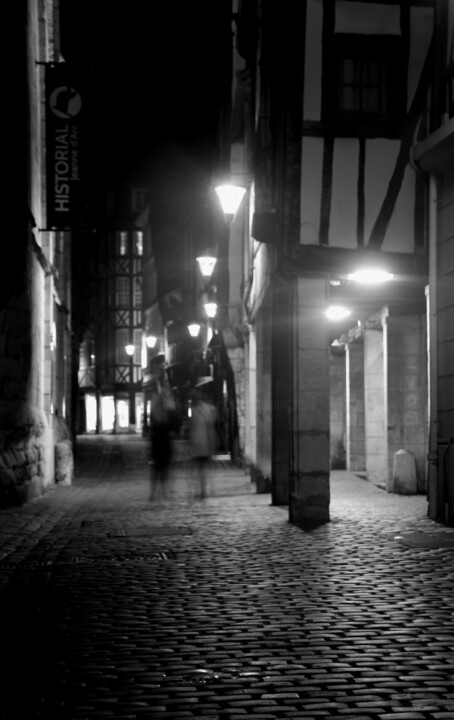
point(117, 607)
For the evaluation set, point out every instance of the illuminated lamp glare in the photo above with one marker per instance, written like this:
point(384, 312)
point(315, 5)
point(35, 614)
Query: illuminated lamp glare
point(370, 276)
point(194, 329)
point(210, 309)
point(230, 197)
point(206, 263)
point(337, 312)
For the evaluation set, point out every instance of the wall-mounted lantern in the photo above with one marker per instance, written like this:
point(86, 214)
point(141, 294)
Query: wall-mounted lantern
point(230, 197)
point(210, 309)
point(194, 329)
point(337, 312)
point(207, 261)
point(372, 276)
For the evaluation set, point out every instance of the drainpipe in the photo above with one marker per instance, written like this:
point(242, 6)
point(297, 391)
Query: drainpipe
point(435, 491)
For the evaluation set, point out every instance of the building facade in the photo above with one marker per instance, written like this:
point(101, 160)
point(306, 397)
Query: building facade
point(109, 271)
point(36, 347)
point(433, 156)
point(323, 132)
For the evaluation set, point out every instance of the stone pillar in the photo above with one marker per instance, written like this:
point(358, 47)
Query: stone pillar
point(355, 430)
point(309, 487)
point(337, 408)
point(250, 416)
point(375, 404)
point(281, 353)
point(262, 473)
point(407, 391)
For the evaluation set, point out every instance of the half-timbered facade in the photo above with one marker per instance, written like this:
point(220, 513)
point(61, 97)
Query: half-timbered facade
point(110, 379)
point(324, 128)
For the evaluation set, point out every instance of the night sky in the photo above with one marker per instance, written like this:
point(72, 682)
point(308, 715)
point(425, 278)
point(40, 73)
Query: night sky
point(157, 69)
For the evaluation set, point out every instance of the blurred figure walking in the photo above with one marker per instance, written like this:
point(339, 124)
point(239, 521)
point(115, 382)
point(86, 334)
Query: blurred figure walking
point(164, 421)
point(202, 432)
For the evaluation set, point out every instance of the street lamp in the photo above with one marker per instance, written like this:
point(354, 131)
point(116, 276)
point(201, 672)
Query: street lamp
point(129, 348)
point(370, 276)
point(210, 309)
point(207, 263)
point(194, 329)
point(337, 312)
point(151, 341)
point(230, 197)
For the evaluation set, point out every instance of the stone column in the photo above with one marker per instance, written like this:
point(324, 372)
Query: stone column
point(281, 354)
point(309, 485)
point(355, 430)
point(407, 391)
point(337, 408)
point(375, 403)
point(250, 433)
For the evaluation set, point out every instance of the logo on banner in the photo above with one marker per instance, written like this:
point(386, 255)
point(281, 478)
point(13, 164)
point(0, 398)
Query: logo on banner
point(65, 102)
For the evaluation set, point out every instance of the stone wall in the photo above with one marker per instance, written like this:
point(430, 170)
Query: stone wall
point(30, 426)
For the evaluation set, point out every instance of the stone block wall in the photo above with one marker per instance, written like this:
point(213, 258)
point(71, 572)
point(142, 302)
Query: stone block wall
point(29, 427)
point(22, 456)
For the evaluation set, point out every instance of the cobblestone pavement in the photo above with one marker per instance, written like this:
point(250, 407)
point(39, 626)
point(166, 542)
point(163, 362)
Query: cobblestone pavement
point(116, 607)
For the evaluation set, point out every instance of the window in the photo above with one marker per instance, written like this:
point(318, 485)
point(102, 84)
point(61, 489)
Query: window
point(137, 336)
point(367, 79)
point(138, 242)
point(362, 86)
point(122, 294)
point(122, 243)
point(139, 198)
point(137, 295)
point(122, 339)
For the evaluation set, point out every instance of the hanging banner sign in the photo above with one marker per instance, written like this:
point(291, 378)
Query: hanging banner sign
point(67, 147)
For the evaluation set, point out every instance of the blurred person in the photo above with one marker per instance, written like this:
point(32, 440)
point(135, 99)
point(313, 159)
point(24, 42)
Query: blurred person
point(202, 432)
point(164, 422)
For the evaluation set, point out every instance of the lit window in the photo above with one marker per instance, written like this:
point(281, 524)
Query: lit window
point(107, 412)
point(122, 243)
point(138, 242)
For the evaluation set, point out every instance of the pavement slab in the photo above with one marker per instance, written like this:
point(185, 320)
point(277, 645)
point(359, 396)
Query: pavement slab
point(117, 607)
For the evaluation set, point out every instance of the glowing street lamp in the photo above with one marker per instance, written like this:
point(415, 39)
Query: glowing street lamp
point(337, 312)
point(370, 276)
point(194, 329)
point(210, 309)
point(207, 263)
point(130, 349)
point(230, 197)
point(151, 341)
